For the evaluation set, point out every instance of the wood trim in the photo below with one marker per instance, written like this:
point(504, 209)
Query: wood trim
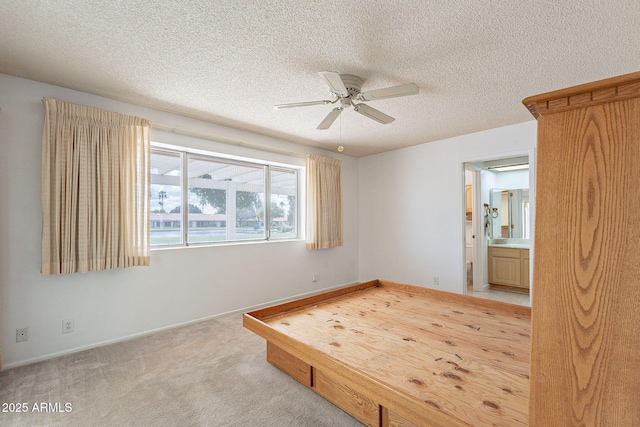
point(517, 310)
point(304, 302)
point(595, 93)
point(510, 288)
point(431, 293)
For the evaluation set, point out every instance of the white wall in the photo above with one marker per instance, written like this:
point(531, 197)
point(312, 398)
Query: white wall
point(404, 213)
point(412, 206)
point(181, 285)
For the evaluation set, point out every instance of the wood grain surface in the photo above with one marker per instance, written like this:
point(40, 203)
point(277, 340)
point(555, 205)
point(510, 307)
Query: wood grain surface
point(448, 353)
point(586, 293)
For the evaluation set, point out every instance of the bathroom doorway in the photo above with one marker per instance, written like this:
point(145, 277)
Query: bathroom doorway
point(471, 176)
point(499, 199)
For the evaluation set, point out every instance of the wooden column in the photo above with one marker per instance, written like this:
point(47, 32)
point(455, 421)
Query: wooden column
point(585, 364)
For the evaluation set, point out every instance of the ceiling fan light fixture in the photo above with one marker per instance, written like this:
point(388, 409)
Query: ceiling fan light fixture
point(346, 88)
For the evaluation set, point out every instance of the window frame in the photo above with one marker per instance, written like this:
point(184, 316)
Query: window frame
point(186, 154)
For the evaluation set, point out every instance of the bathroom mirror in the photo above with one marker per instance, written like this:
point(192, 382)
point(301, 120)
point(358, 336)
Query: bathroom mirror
point(509, 212)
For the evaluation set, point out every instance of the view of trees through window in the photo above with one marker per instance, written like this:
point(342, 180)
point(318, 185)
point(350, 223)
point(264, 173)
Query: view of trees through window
point(225, 200)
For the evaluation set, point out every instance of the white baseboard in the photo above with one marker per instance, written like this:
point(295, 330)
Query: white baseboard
point(177, 325)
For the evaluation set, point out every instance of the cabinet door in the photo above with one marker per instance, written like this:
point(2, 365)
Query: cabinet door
point(505, 267)
point(525, 268)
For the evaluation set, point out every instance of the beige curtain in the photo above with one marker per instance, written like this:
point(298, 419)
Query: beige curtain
point(95, 189)
point(324, 202)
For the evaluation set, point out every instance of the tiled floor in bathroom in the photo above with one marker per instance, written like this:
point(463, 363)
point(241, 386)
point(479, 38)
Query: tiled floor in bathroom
point(500, 295)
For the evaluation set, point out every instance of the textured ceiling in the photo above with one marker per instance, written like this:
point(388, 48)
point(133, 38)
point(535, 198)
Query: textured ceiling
point(230, 61)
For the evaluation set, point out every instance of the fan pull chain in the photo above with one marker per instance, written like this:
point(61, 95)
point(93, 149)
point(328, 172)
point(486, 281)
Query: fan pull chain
point(340, 147)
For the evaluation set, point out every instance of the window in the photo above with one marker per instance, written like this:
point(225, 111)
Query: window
point(199, 198)
point(166, 198)
point(284, 212)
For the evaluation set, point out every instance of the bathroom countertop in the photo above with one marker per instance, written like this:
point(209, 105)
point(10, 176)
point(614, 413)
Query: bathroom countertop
point(510, 243)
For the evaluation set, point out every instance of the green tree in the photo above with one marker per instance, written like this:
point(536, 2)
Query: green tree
point(248, 200)
point(277, 210)
point(218, 198)
point(292, 209)
point(211, 196)
point(258, 211)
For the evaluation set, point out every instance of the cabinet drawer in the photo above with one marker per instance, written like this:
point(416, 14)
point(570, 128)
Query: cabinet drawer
point(291, 365)
point(355, 404)
point(505, 252)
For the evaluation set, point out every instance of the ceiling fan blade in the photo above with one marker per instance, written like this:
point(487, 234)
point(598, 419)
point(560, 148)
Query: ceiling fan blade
point(390, 92)
point(301, 104)
point(335, 83)
point(372, 113)
point(331, 117)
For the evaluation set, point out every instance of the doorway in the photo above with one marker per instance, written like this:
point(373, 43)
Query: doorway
point(499, 199)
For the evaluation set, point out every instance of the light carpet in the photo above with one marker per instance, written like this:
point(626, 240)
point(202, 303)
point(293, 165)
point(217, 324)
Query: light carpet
point(211, 373)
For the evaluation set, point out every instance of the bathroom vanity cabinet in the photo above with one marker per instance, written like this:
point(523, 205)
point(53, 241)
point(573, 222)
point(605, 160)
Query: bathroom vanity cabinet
point(509, 267)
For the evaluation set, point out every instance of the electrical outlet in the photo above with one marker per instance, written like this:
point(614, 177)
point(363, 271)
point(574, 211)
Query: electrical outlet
point(22, 334)
point(67, 326)
point(436, 281)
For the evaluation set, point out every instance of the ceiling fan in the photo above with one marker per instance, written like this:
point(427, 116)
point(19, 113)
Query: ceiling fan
point(346, 89)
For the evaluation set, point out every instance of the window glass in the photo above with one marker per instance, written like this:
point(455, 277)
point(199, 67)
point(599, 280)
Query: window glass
point(166, 198)
point(221, 200)
point(284, 215)
point(226, 200)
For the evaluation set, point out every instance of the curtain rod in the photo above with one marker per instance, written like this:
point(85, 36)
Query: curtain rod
point(222, 139)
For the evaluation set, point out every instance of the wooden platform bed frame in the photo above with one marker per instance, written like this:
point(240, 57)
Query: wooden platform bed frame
point(397, 355)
